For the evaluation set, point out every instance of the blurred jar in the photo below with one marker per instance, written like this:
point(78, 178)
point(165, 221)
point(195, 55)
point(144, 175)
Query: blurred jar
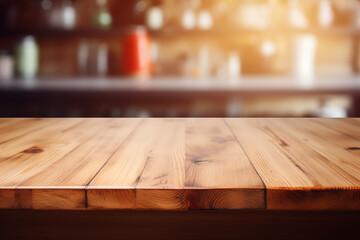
point(205, 20)
point(136, 52)
point(188, 19)
point(234, 66)
point(304, 53)
point(102, 59)
point(27, 57)
point(325, 13)
point(83, 56)
point(188, 13)
point(6, 67)
point(140, 7)
point(155, 17)
point(102, 17)
point(267, 48)
point(204, 62)
point(68, 15)
point(155, 57)
point(93, 58)
point(46, 14)
point(61, 14)
point(297, 17)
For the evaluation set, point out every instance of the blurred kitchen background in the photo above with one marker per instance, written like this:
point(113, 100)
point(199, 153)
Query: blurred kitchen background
point(179, 58)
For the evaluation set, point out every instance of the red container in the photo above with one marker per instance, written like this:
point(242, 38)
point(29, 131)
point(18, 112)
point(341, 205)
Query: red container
point(136, 52)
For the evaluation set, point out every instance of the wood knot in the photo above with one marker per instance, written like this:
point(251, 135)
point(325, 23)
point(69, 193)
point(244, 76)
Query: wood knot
point(353, 148)
point(33, 150)
point(199, 160)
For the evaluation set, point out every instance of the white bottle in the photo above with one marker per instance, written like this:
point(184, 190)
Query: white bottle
point(304, 53)
point(297, 18)
point(188, 19)
point(267, 48)
point(155, 18)
point(205, 20)
point(325, 14)
point(102, 59)
point(27, 58)
point(68, 15)
point(234, 66)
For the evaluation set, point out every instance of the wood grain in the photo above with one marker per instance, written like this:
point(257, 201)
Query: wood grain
point(42, 149)
point(216, 161)
point(346, 130)
point(80, 165)
point(43, 198)
point(11, 129)
point(5, 122)
point(65, 165)
point(33, 153)
point(291, 156)
point(151, 158)
point(347, 126)
point(154, 165)
point(330, 144)
point(315, 198)
point(180, 164)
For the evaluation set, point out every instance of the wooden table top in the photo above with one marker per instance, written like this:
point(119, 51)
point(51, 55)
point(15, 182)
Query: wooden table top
point(180, 164)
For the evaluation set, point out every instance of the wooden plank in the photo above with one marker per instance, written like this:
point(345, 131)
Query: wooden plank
point(42, 149)
point(161, 184)
point(13, 128)
point(296, 175)
point(353, 121)
point(5, 122)
point(329, 143)
point(152, 163)
point(347, 135)
point(90, 157)
point(59, 182)
point(25, 143)
point(44, 198)
point(314, 198)
point(79, 166)
point(151, 160)
point(22, 158)
point(25, 157)
point(324, 170)
point(218, 173)
point(180, 164)
point(348, 127)
point(271, 163)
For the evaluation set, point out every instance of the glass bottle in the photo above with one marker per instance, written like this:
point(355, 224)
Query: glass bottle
point(27, 58)
point(102, 17)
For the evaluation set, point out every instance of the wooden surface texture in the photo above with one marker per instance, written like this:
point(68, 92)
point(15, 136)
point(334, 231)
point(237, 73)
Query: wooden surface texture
point(180, 164)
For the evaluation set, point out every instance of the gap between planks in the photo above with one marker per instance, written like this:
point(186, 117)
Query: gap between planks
point(183, 194)
point(186, 197)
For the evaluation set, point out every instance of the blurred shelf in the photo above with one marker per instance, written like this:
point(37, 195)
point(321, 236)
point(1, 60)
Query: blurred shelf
point(341, 31)
point(186, 87)
point(55, 32)
point(173, 32)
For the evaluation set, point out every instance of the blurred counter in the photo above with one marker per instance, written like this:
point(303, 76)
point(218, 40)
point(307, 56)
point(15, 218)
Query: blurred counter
point(181, 97)
point(258, 85)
